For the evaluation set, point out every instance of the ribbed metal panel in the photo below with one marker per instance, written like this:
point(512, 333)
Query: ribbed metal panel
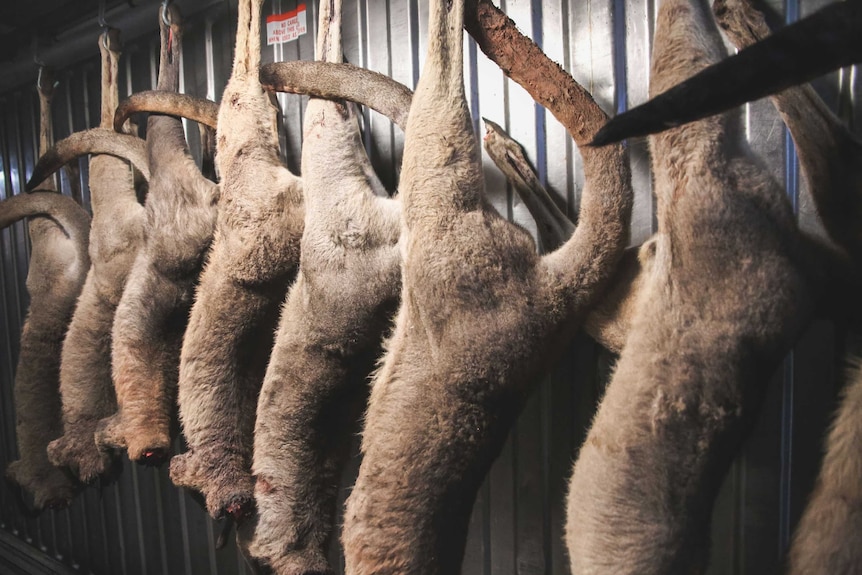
point(142, 524)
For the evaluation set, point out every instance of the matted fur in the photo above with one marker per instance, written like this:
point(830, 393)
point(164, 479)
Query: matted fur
point(727, 292)
point(480, 316)
point(58, 266)
point(152, 314)
point(116, 234)
point(253, 258)
point(329, 334)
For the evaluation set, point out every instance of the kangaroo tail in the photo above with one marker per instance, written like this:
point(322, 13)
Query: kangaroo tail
point(93, 141)
point(200, 110)
point(340, 82)
point(62, 209)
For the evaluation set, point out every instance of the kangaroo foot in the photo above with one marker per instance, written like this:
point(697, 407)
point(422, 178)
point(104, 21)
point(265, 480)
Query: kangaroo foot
point(77, 450)
point(227, 488)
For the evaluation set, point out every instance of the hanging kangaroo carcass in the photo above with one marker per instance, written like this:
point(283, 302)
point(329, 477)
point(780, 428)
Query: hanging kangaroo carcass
point(329, 334)
point(252, 260)
point(827, 150)
point(152, 314)
point(372, 91)
point(730, 284)
point(341, 247)
point(115, 236)
point(58, 265)
point(826, 537)
point(480, 316)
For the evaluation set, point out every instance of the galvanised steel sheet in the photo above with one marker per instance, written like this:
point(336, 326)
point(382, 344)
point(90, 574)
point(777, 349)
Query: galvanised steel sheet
point(142, 524)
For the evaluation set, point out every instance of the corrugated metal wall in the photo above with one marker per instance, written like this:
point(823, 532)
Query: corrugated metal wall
point(142, 524)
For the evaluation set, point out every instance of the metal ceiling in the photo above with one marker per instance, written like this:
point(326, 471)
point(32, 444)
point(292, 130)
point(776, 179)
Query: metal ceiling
point(60, 33)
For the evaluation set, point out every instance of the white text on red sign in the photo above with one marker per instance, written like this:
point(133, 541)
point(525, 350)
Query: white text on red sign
point(285, 27)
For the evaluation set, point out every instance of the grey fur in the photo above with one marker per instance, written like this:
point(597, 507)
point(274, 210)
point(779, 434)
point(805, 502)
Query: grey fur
point(328, 80)
point(116, 233)
point(729, 286)
point(826, 538)
point(199, 110)
point(608, 322)
point(58, 266)
point(480, 316)
point(329, 334)
point(152, 314)
point(101, 140)
point(253, 258)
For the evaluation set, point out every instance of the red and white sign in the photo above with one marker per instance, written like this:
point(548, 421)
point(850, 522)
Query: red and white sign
point(286, 27)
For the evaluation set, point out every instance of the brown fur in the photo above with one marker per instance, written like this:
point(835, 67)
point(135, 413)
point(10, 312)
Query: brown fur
point(830, 155)
point(321, 357)
point(330, 80)
point(608, 322)
point(826, 538)
point(97, 141)
point(338, 81)
point(58, 265)
point(200, 110)
point(336, 311)
point(253, 258)
point(554, 227)
point(573, 106)
point(480, 316)
point(57, 268)
point(726, 294)
point(151, 316)
point(116, 234)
